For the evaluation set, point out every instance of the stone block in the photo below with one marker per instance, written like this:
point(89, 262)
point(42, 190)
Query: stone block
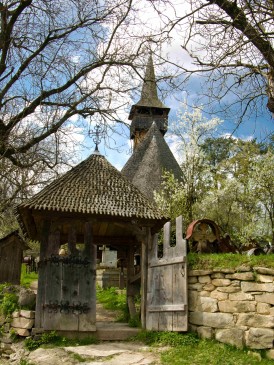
point(222, 270)
point(205, 332)
point(241, 296)
point(22, 332)
point(259, 338)
point(255, 320)
point(231, 336)
point(208, 287)
point(263, 270)
point(218, 275)
point(215, 320)
point(221, 282)
point(196, 286)
point(199, 272)
point(245, 276)
point(242, 306)
point(270, 354)
point(205, 293)
point(243, 268)
point(15, 314)
point(192, 300)
point(22, 322)
point(263, 308)
point(192, 280)
point(27, 314)
point(229, 289)
point(205, 304)
point(218, 295)
point(264, 278)
point(265, 298)
point(205, 279)
point(257, 287)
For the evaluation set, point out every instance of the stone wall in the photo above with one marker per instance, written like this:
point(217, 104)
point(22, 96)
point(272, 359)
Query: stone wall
point(233, 306)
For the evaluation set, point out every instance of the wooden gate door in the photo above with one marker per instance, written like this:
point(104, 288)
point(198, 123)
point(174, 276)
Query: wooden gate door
point(166, 306)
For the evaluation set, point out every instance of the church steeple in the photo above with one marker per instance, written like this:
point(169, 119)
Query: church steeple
point(149, 108)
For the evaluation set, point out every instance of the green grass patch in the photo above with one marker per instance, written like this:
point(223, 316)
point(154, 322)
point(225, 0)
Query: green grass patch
point(8, 299)
point(212, 353)
point(174, 339)
point(227, 261)
point(52, 339)
point(27, 277)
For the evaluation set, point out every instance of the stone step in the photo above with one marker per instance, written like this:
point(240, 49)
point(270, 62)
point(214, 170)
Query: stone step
point(106, 331)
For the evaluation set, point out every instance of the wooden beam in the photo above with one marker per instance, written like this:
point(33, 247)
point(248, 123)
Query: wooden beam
point(144, 272)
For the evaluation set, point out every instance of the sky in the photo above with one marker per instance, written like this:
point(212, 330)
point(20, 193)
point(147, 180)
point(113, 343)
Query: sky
point(119, 147)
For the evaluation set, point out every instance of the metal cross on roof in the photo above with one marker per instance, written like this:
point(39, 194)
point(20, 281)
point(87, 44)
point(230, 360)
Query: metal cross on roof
point(96, 135)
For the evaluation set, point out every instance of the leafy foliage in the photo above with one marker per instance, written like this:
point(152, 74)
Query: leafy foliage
point(8, 300)
point(166, 338)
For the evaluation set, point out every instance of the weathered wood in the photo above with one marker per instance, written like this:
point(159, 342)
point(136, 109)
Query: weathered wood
point(42, 273)
point(131, 288)
point(146, 243)
point(167, 284)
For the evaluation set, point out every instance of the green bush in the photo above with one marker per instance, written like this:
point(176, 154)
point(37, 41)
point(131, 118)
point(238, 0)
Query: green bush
point(8, 302)
point(173, 339)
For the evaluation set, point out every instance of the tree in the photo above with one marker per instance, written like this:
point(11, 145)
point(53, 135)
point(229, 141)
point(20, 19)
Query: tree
point(232, 43)
point(63, 65)
point(188, 133)
point(61, 60)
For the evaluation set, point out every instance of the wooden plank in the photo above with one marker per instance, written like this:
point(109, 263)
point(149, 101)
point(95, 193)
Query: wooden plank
point(144, 274)
point(166, 262)
point(168, 308)
point(42, 274)
point(87, 283)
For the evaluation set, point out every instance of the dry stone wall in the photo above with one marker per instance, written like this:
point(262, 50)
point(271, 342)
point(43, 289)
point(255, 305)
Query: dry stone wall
point(233, 306)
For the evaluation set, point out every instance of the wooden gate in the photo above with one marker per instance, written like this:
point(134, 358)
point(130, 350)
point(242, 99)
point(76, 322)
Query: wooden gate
point(166, 306)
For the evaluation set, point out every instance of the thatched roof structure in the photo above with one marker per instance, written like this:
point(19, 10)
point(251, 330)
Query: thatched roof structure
point(148, 162)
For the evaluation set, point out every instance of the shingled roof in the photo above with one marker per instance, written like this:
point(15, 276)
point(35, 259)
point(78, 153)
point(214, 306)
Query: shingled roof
point(93, 187)
point(148, 162)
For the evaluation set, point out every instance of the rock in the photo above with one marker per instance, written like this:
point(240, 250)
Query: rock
point(196, 286)
point(263, 270)
point(208, 287)
point(192, 280)
point(241, 296)
point(243, 268)
point(259, 338)
point(270, 354)
point(247, 276)
point(225, 271)
point(264, 278)
point(204, 279)
point(27, 314)
point(257, 287)
point(256, 355)
point(27, 298)
point(22, 322)
point(241, 306)
point(199, 272)
point(218, 275)
point(206, 304)
point(215, 320)
point(255, 320)
point(205, 293)
point(263, 308)
point(192, 300)
point(231, 336)
point(229, 289)
point(22, 332)
point(265, 298)
point(221, 282)
point(218, 295)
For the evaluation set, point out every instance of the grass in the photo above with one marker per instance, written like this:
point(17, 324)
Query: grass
point(188, 349)
point(52, 339)
point(228, 261)
point(27, 278)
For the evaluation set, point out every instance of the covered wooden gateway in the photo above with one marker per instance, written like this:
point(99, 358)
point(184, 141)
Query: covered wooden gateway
point(92, 204)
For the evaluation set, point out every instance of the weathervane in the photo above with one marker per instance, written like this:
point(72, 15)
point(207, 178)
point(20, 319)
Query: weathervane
point(96, 135)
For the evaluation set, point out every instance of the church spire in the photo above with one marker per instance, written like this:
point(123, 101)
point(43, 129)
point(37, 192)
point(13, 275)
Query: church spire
point(149, 95)
point(149, 108)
